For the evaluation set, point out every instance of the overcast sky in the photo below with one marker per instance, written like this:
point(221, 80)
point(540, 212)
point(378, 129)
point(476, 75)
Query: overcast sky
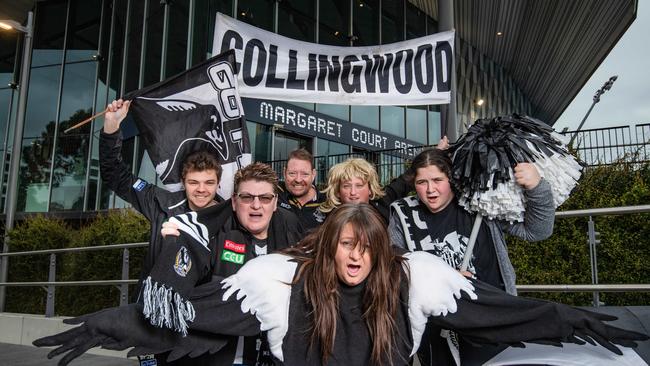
point(628, 102)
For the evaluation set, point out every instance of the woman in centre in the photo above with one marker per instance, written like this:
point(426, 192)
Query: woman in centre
point(343, 296)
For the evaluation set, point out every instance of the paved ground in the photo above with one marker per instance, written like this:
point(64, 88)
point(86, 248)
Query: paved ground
point(15, 355)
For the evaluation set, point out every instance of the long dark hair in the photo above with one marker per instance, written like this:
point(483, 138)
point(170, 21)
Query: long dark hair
point(321, 284)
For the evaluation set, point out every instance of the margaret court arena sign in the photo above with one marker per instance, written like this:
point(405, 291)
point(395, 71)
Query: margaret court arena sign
point(307, 122)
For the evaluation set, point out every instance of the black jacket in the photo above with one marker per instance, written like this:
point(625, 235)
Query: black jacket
point(398, 188)
point(155, 203)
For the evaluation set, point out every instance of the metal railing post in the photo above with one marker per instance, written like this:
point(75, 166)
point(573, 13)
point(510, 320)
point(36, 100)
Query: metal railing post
point(591, 232)
point(49, 305)
point(124, 288)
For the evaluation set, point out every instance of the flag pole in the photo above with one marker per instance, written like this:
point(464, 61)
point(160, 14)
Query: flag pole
point(86, 121)
point(472, 240)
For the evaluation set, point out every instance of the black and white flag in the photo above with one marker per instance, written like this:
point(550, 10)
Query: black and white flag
point(198, 109)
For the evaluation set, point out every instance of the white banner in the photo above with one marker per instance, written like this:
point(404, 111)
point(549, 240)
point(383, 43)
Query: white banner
point(270, 66)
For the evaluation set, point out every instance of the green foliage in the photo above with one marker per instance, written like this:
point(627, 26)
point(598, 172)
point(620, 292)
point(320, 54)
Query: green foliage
point(625, 240)
point(39, 233)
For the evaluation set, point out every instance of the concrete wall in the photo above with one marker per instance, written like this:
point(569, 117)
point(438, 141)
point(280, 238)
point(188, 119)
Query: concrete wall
point(23, 329)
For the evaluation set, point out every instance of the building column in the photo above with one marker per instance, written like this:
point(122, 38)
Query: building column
point(448, 112)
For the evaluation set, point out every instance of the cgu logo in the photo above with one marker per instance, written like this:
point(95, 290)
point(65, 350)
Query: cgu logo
point(229, 256)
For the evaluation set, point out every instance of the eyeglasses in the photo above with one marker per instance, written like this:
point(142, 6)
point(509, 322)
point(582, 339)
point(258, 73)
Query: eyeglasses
point(248, 198)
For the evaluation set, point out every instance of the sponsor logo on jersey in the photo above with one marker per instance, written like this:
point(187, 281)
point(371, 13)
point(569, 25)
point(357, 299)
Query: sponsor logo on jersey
point(235, 247)
point(232, 257)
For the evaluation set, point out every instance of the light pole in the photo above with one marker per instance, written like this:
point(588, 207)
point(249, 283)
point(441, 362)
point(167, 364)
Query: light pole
point(608, 85)
point(14, 165)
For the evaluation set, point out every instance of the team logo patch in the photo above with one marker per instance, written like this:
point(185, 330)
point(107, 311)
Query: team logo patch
point(320, 217)
point(232, 246)
point(285, 205)
point(139, 185)
point(148, 360)
point(183, 262)
point(232, 257)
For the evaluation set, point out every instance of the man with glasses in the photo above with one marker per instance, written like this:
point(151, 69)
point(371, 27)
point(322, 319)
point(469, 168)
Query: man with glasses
point(298, 193)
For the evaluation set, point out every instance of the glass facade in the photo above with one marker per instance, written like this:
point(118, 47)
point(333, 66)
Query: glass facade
point(88, 52)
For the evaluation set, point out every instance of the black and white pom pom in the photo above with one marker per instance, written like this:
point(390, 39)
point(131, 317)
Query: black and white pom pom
point(484, 158)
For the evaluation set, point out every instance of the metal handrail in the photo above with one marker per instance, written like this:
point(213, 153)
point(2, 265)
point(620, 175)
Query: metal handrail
point(71, 283)
point(604, 211)
point(51, 284)
point(585, 288)
point(76, 249)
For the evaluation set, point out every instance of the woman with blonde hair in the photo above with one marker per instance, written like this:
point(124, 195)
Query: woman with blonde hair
point(356, 181)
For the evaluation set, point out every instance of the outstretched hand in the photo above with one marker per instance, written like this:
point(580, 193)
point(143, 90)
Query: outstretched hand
point(79, 340)
point(590, 326)
point(123, 327)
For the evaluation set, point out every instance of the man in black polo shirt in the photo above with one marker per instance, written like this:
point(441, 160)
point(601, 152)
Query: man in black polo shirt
point(298, 193)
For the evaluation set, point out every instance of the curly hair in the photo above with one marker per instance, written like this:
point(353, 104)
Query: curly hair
point(258, 172)
point(341, 172)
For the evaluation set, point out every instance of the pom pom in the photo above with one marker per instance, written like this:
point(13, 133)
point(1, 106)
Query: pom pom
point(484, 158)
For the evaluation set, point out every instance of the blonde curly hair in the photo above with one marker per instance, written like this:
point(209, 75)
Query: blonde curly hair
point(341, 172)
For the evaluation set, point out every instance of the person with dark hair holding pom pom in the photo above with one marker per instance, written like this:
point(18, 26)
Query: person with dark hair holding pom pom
point(434, 222)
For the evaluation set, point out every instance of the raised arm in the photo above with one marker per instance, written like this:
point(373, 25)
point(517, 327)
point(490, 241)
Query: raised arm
point(115, 173)
point(539, 216)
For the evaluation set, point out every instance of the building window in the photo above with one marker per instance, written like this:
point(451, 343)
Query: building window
point(432, 26)
point(392, 21)
point(334, 22)
point(38, 139)
point(178, 11)
point(416, 124)
point(365, 115)
point(365, 25)
point(256, 12)
point(415, 22)
point(134, 47)
point(259, 136)
point(297, 19)
point(68, 181)
point(153, 39)
point(334, 110)
point(392, 120)
point(285, 142)
point(434, 124)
